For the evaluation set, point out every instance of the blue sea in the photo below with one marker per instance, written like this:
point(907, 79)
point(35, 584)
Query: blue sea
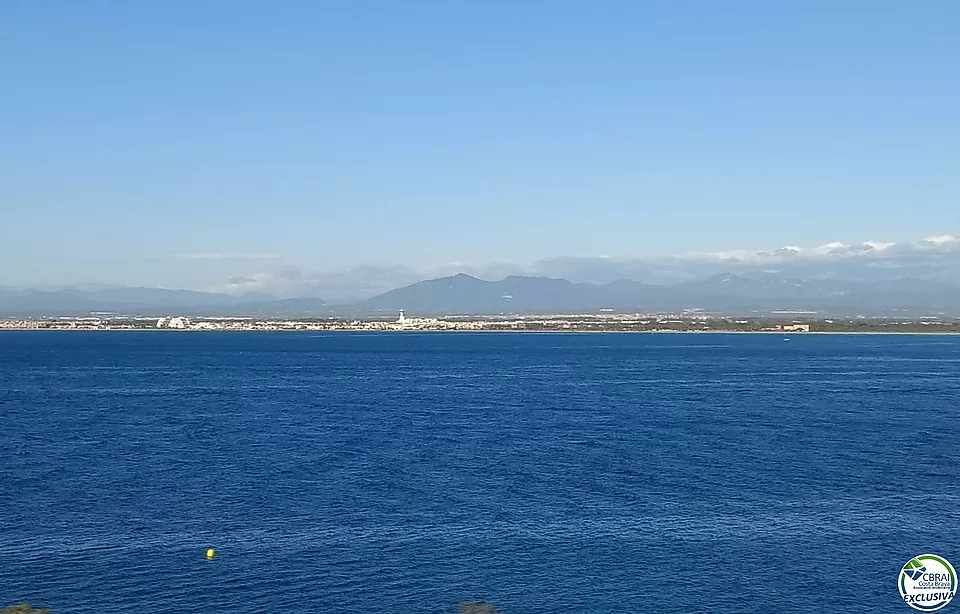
point(407, 472)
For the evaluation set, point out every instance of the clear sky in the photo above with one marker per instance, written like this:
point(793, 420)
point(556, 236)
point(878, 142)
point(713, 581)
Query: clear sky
point(323, 134)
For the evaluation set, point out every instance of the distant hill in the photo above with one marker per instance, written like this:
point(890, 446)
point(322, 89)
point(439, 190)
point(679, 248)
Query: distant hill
point(305, 307)
point(133, 301)
point(467, 295)
point(463, 294)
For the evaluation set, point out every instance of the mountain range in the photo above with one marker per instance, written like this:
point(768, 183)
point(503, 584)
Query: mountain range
point(730, 294)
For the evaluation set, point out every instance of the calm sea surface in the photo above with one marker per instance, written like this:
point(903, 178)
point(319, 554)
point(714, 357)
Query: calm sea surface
point(361, 473)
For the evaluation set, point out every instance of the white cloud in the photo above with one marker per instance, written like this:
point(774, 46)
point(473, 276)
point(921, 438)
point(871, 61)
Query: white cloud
point(835, 250)
point(941, 240)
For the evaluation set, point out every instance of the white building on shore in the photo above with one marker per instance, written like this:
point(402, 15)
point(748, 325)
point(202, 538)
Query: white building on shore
point(173, 322)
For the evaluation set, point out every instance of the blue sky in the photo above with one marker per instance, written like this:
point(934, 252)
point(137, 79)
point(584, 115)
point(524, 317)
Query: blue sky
point(321, 134)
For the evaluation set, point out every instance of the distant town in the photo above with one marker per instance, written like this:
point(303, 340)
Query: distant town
point(681, 322)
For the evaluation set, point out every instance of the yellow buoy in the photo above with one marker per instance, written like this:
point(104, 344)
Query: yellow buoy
point(211, 553)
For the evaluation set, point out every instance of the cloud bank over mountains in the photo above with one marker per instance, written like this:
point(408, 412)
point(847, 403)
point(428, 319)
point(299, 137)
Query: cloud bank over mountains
point(869, 250)
point(935, 258)
point(348, 284)
point(879, 279)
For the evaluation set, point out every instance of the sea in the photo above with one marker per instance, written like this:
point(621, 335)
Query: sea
point(409, 472)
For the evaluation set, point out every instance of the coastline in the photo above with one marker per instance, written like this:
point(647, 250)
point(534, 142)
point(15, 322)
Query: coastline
point(790, 334)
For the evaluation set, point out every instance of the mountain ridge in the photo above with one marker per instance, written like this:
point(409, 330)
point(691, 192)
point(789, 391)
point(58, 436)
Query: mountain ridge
point(464, 294)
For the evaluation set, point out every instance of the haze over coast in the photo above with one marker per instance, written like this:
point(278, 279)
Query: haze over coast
point(872, 278)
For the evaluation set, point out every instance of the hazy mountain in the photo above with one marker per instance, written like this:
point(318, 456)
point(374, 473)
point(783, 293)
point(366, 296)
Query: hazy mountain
point(303, 307)
point(463, 294)
point(468, 295)
point(755, 292)
point(142, 301)
point(935, 258)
